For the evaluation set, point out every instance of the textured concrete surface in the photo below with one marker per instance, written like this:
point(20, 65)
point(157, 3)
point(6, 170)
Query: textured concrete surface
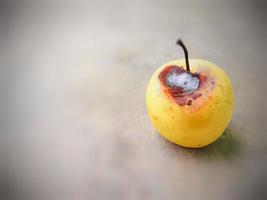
point(77, 126)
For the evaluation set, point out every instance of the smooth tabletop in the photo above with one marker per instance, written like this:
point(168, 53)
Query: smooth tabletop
point(77, 124)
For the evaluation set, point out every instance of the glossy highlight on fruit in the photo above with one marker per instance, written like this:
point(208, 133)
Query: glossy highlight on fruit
point(192, 116)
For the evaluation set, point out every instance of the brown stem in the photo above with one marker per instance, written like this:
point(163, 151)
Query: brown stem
point(180, 42)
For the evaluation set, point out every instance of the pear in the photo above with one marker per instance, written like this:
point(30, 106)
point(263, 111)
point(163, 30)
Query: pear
point(190, 105)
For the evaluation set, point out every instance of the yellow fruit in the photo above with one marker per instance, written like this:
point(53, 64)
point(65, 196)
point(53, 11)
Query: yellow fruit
point(190, 119)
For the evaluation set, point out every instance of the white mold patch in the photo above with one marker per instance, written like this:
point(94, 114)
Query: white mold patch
point(184, 80)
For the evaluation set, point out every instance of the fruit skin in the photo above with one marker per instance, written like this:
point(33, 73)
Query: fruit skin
point(200, 123)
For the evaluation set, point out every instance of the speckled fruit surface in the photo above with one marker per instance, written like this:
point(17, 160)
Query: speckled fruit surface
point(193, 119)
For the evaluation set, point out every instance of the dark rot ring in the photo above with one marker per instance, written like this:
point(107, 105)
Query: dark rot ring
point(177, 94)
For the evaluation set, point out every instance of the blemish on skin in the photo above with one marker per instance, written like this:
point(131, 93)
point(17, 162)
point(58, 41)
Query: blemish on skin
point(181, 101)
point(196, 95)
point(189, 102)
point(171, 82)
point(202, 78)
point(213, 82)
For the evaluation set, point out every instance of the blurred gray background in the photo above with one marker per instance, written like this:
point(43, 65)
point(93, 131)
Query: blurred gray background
point(75, 124)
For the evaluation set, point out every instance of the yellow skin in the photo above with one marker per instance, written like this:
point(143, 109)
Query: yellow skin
point(200, 123)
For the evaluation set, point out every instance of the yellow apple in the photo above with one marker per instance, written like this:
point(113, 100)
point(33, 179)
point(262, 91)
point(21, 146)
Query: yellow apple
point(193, 117)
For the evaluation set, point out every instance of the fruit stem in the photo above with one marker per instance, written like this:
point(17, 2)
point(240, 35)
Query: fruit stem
point(180, 42)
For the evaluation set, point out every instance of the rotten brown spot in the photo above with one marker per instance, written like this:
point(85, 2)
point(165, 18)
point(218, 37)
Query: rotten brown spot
point(177, 93)
point(189, 102)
